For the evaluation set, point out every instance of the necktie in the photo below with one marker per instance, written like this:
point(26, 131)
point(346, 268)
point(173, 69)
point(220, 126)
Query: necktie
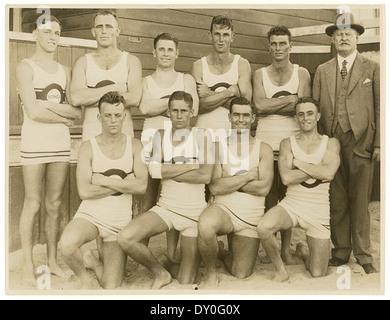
point(344, 70)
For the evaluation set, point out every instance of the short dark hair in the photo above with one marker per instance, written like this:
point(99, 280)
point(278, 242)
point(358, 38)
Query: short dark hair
point(308, 100)
point(51, 18)
point(243, 102)
point(181, 96)
point(223, 21)
point(279, 31)
point(105, 12)
point(112, 97)
point(165, 36)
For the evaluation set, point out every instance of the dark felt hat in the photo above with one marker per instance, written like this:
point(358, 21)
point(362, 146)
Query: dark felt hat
point(344, 21)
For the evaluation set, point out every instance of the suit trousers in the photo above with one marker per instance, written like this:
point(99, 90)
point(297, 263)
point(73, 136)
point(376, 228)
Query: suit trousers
point(350, 193)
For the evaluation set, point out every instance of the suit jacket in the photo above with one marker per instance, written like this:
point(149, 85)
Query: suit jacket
point(362, 101)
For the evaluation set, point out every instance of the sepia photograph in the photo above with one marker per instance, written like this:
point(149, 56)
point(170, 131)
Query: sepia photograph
point(194, 150)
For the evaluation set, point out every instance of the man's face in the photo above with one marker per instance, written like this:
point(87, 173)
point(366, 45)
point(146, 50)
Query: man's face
point(241, 117)
point(111, 117)
point(180, 114)
point(105, 30)
point(166, 53)
point(48, 35)
point(280, 47)
point(345, 41)
point(307, 116)
point(221, 38)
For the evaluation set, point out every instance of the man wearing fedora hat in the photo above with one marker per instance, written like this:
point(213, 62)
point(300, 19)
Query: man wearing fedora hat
point(348, 90)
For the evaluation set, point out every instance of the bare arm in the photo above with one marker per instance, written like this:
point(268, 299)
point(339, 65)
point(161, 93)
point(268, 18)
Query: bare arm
point(151, 107)
point(288, 173)
point(203, 174)
point(81, 94)
point(66, 110)
point(266, 106)
point(210, 100)
point(86, 189)
point(304, 88)
point(263, 184)
point(165, 171)
point(190, 87)
point(133, 92)
point(36, 109)
point(134, 183)
point(327, 169)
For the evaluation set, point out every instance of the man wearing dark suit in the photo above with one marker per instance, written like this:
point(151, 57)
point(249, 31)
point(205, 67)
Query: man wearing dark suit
point(348, 90)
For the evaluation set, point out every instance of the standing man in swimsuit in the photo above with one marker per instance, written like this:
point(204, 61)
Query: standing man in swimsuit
point(276, 90)
point(184, 163)
point(239, 184)
point(308, 162)
point(157, 88)
point(220, 76)
point(43, 87)
point(109, 171)
point(106, 69)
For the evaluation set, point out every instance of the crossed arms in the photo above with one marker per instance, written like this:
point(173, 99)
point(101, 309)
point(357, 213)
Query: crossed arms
point(294, 171)
point(88, 97)
point(257, 181)
point(41, 110)
point(96, 186)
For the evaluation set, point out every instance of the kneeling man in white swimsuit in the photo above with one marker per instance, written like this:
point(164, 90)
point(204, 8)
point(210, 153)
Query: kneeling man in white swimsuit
point(241, 179)
point(307, 164)
point(184, 162)
point(109, 171)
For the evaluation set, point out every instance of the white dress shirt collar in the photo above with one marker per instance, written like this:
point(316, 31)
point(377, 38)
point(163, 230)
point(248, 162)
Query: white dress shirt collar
point(350, 60)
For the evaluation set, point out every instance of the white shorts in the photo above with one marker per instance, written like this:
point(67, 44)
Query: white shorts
point(317, 230)
point(178, 221)
point(107, 233)
point(240, 226)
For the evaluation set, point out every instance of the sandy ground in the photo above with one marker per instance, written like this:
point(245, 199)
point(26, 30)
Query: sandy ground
point(139, 279)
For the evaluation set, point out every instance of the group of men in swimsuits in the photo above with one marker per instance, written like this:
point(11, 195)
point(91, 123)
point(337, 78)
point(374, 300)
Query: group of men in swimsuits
point(203, 175)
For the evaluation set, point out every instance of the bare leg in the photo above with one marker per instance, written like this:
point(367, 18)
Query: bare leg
point(131, 239)
point(56, 175)
point(190, 260)
point(241, 261)
point(285, 251)
point(33, 179)
point(275, 219)
point(316, 257)
point(109, 273)
point(212, 222)
point(172, 241)
point(77, 233)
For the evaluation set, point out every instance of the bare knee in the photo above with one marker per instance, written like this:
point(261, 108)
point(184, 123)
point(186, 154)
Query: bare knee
point(110, 284)
point(318, 273)
point(31, 207)
point(241, 273)
point(53, 207)
point(126, 239)
point(207, 227)
point(265, 229)
point(68, 244)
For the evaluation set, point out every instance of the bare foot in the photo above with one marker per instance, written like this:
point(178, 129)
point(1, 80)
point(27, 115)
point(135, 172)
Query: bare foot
point(288, 258)
point(264, 259)
point(163, 278)
point(211, 281)
point(90, 261)
point(29, 277)
point(302, 252)
point(281, 276)
point(57, 270)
